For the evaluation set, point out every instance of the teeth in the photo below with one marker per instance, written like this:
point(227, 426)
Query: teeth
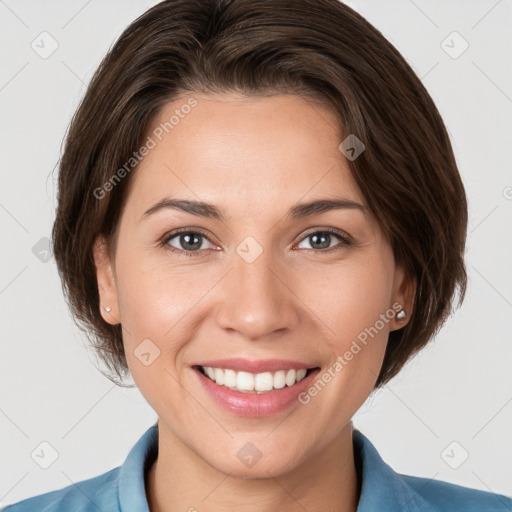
point(254, 382)
point(229, 378)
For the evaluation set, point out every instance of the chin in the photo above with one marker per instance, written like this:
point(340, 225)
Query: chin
point(273, 465)
point(252, 456)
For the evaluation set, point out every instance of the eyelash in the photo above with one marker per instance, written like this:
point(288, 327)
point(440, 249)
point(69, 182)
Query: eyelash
point(164, 241)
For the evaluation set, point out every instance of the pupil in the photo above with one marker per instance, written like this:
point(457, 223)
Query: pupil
point(325, 236)
point(191, 245)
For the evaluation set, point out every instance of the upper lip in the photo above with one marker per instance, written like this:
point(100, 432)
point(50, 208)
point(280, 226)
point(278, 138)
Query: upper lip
point(240, 364)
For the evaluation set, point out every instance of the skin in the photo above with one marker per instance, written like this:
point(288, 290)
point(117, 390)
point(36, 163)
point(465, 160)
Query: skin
point(255, 158)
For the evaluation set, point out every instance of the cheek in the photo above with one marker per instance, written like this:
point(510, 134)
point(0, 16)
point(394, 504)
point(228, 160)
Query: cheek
point(352, 302)
point(153, 296)
point(154, 304)
point(151, 301)
point(350, 297)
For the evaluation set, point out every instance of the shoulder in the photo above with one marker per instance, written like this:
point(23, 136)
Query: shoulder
point(386, 490)
point(441, 495)
point(117, 489)
point(91, 495)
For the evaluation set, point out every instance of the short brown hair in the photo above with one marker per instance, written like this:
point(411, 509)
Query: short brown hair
point(318, 48)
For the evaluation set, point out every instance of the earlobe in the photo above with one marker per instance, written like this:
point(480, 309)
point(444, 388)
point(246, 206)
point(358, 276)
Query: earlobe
point(404, 290)
point(106, 283)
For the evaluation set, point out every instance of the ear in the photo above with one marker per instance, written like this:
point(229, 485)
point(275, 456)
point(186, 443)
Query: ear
point(404, 290)
point(106, 282)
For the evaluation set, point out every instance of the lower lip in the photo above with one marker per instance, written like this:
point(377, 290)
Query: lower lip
point(253, 404)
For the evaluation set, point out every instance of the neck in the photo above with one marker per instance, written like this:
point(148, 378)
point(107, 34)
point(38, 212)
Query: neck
point(180, 480)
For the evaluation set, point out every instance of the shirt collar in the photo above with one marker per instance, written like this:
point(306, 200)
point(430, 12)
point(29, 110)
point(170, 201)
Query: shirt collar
point(132, 492)
point(381, 487)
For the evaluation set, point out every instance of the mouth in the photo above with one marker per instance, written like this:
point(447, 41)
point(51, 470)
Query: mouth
point(255, 383)
point(260, 394)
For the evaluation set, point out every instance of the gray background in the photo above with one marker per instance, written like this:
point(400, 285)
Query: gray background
point(453, 399)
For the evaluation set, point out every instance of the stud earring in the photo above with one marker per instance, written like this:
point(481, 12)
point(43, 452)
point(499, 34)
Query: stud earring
point(108, 309)
point(401, 315)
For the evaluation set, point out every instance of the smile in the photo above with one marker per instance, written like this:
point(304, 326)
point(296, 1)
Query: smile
point(254, 388)
point(246, 382)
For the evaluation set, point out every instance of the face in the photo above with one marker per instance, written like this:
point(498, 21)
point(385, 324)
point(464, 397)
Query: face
point(254, 285)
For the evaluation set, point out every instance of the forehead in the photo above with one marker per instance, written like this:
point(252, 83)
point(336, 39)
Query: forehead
point(244, 152)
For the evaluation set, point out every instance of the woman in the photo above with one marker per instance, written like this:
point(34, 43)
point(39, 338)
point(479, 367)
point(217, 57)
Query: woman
point(260, 218)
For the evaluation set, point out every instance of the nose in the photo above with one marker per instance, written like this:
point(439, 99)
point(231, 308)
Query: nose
point(256, 301)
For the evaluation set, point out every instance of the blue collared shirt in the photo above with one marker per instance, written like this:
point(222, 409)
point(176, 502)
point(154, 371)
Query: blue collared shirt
point(383, 490)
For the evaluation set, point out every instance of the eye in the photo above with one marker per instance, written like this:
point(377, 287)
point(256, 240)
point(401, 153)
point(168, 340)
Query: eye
point(321, 240)
point(186, 242)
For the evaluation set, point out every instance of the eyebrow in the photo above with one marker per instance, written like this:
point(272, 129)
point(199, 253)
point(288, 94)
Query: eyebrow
point(298, 211)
